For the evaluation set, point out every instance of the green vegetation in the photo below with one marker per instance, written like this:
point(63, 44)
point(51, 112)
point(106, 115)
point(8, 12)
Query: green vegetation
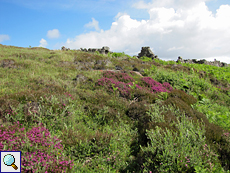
point(67, 115)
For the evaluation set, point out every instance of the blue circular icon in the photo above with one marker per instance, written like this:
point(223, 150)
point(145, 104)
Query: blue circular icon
point(9, 160)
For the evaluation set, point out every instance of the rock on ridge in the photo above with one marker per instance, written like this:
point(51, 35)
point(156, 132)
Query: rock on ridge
point(146, 51)
point(203, 61)
point(103, 50)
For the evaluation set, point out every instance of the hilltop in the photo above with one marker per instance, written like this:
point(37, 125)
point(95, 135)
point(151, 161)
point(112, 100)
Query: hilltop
point(78, 111)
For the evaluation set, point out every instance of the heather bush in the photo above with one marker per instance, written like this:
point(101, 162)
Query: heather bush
point(156, 86)
point(188, 99)
point(125, 88)
point(136, 110)
point(155, 116)
point(218, 138)
point(40, 151)
point(123, 77)
point(144, 94)
point(181, 105)
point(122, 87)
point(188, 152)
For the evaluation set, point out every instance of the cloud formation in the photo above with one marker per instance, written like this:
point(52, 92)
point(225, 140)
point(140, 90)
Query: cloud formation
point(93, 24)
point(43, 43)
point(53, 34)
point(175, 28)
point(4, 38)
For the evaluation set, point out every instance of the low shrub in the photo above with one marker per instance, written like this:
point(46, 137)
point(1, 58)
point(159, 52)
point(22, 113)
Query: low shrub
point(43, 149)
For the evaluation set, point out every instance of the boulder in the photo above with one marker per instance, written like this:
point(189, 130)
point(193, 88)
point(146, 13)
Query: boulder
point(146, 51)
point(102, 51)
point(63, 48)
point(118, 68)
point(106, 48)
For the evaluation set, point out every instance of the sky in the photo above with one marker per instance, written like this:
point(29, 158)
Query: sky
point(197, 29)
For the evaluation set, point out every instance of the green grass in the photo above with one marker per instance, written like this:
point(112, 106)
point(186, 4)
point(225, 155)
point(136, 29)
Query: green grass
point(65, 117)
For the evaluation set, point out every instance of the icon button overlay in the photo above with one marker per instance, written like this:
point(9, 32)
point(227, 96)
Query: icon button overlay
point(10, 161)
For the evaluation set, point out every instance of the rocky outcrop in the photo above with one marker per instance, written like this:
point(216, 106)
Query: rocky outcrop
point(64, 48)
point(146, 51)
point(203, 61)
point(103, 50)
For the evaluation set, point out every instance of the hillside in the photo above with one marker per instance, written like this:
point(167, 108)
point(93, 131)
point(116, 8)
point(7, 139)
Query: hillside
point(75, 111)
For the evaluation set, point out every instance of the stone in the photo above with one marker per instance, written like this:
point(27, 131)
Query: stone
point(203, 61)
point(63, 48)
point(80, 78)
point(118, 68)
point(156, 57)
point(146, 51)
point(104, 50)
point(135, 69)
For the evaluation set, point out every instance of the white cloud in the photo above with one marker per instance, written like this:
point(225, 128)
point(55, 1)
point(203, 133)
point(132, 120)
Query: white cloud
point(4, 38)
point(174, 28)
point(53, 33)
point(176, 4)
point(43, 43)
point(175, 48)
point(93, 24)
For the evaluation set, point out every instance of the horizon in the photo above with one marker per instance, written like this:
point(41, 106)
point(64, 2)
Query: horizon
point(193, 30)
point(113, 52)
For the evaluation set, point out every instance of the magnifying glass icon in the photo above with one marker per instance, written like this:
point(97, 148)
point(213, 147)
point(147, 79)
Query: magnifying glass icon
point(9, 160)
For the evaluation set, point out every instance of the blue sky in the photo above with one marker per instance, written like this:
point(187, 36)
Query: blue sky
point(197, 29)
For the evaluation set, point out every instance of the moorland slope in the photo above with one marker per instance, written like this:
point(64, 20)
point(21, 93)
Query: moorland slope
point(73, 111)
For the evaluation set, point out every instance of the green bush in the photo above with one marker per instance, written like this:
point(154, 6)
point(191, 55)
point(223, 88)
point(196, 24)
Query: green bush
point(185, 153)
point(116, 54)
point(188, 99)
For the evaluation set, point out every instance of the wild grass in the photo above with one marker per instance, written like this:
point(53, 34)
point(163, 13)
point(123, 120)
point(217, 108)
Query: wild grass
point(66, 117)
